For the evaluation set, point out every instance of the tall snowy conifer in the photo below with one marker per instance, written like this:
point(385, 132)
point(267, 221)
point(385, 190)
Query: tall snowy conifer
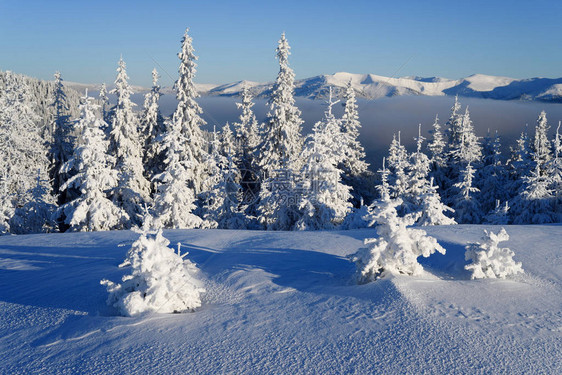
point(541, 145)
point(247, 137)
point(152, 130)
point(353, 165)
point(36, 215)
point(535, 203)
point(454, 124)
point(519, 164)
point(281, 148)
point(104, 103)
point(21, 144)
point(492, 177)
point(62, 143)
point(186, 122)
point(398, 165)
point(437, 146)
point(466, 206)
point(221, 204)
point(555, 171)
point(133, 189)
point(421, 195)
point(282, 144)
point(92, 210)
point(247, 141)
point(467, 149)
point(324, 202)
point(175, 200)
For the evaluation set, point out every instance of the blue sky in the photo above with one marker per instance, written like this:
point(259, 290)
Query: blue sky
point(236, 39)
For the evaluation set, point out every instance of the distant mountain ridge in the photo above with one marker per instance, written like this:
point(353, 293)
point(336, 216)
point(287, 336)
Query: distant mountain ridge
point(372, 86)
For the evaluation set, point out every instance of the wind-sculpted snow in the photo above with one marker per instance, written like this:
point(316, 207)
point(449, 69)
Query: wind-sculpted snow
point(283, 302)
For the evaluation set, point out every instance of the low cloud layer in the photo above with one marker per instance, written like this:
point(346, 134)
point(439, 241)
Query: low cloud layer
point(383, 117)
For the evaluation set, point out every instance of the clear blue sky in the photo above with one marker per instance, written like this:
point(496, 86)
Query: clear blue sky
point(236, 39)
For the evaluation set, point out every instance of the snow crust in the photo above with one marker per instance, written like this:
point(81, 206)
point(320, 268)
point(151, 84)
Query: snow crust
point(283, 302)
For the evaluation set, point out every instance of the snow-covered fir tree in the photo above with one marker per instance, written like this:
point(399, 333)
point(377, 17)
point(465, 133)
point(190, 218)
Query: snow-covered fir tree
point(246, 132)
point(535, 202)
point(432, 209)
point(62, 141)
point(542, 153)
point(466, 205)
point(465, 148)
point(437, 146)
point(398, 166)
point(488, 260)
point(397, 247)
point(175, 199)
point(555, 172)
point(417, 174)
point(499, 215)
point(492, 177)
point(95, 178)
point(36, 215)
point(353, 165)
point(247, 141)
point(519, 164)
point(133, 189)
point(281, 149)
point(222, 203)
point(190, 149)
point(104, 99)
point(324, 202)
point(152, 130)
point(21, 145)
point(421, 195)
point(227, 143)
point(161, 280)
point(282, 144)
point(6, 205)
point(454, 125)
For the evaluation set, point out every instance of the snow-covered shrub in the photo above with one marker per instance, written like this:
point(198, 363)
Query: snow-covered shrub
point(358, 218)
point(161, 279)
point(489, 260)
point(397, 248)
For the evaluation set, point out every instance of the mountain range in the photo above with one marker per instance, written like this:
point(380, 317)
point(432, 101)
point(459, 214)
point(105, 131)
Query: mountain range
point(371, 86)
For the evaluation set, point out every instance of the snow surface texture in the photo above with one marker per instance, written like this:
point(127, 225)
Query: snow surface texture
point(490, 261)
point(283, 302)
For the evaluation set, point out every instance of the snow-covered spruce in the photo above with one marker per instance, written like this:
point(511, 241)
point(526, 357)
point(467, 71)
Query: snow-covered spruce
point(161, 280)
point(397, 248)
point(152, 130)
point(281, 150)
point(36, 215)
point(22, 146)
point(91, 210)
point(186, 121)
point(133, 189)
point(490, 261)
point(324, 202)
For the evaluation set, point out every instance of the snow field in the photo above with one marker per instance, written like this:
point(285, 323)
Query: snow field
point(282, 302)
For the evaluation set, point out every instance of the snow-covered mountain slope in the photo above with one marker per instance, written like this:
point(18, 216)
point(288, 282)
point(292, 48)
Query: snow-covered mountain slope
point(282, 302)
point(371, 86)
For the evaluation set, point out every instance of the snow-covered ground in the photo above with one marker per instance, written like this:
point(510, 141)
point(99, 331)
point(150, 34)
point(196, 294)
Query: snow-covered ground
point(282, 302)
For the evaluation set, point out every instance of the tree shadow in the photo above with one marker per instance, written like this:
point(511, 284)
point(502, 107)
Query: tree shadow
point(448, 266)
